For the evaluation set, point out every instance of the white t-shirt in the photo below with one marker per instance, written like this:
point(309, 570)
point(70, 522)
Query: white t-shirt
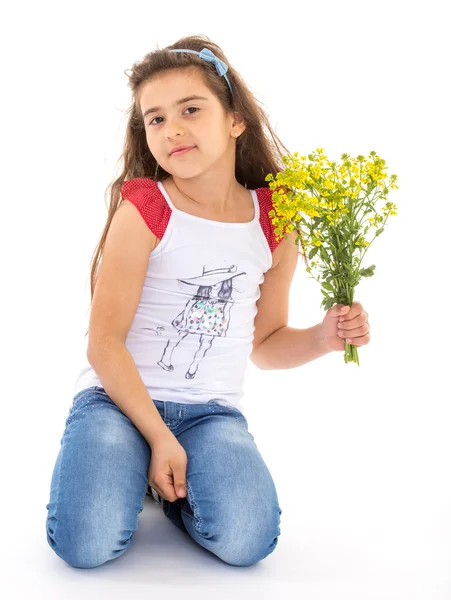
point(193, 329)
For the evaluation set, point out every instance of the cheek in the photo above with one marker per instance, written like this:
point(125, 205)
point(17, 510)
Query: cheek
point(157, 148)
point(213, 142)
point(150, 143)
point(209, 133)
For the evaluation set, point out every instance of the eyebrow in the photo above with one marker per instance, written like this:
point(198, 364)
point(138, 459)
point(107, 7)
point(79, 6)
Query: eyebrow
point(181, 101)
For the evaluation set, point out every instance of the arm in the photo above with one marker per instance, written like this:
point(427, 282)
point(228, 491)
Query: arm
point(288, 348)
point(277, 346)
point(116, 369)
point(116, 296)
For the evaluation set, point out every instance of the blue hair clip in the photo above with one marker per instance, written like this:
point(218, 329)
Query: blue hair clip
point(208, 55)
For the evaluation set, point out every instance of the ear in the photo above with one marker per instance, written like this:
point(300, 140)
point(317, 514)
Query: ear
point(238, 123)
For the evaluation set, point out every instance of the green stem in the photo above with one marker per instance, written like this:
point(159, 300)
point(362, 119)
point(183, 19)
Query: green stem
point(366, 247)
point(351, 354)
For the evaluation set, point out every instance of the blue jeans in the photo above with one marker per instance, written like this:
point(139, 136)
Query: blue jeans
point(99, 483)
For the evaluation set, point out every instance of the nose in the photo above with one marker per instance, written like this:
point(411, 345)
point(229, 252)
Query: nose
point(173, 129)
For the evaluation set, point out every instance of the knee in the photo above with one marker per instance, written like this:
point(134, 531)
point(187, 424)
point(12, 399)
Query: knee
point(247, 554)
point(249, 548)
point(246, 540)
point(82, 546)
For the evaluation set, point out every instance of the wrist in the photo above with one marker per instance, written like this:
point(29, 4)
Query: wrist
point(159, 435)
point(322, 340)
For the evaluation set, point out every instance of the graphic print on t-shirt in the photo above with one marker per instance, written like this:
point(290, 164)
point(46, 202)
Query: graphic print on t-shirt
point(207, 314)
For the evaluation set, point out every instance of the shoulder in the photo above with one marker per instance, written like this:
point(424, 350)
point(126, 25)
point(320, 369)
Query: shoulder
point(140, 190)
point(145, 194)
point(264, 195)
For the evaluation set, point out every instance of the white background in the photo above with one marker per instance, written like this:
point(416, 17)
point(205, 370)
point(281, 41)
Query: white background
point(359, 455)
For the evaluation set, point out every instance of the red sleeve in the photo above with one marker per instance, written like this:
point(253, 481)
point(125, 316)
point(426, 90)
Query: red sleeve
point(145, 194)
point(265, 200)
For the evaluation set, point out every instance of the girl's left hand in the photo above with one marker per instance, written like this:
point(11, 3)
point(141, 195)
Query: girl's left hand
point(351, 325)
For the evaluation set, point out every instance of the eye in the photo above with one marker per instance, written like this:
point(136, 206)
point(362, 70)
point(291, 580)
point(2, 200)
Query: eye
point(189, 107)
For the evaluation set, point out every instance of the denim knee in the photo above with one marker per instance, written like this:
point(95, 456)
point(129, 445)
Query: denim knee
point(82, 546)
point(248, 555)
point(248, 548)
point(98, 483)
point(238, 541)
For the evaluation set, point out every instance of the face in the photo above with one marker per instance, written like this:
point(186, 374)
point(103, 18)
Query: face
point(201, 123)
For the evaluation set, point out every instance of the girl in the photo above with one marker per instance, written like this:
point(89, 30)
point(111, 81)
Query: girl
point(187, 251)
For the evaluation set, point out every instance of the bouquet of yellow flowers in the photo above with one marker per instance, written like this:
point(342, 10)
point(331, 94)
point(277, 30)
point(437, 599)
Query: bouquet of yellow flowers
point(332, 207)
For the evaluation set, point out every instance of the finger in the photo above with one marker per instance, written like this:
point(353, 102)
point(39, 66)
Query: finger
point(159, 491)
point(353, 323)
point(358, 341)
point(179, 475)
point(339, 310)
point(355, 333)
point(167, 488)
point(355, 309)
point(168, 493)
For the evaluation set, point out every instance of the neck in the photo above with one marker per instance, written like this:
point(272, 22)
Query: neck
point(219, 197)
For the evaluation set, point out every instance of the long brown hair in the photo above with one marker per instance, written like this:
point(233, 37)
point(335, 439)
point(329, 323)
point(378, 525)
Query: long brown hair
point(258, 152)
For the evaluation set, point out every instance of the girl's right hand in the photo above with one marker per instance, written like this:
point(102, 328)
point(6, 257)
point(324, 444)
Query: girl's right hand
point(167, 471)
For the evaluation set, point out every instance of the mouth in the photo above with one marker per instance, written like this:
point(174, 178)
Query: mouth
point(183, 151)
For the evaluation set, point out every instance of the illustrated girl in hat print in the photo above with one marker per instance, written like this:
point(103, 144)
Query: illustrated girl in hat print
point(207, 314)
